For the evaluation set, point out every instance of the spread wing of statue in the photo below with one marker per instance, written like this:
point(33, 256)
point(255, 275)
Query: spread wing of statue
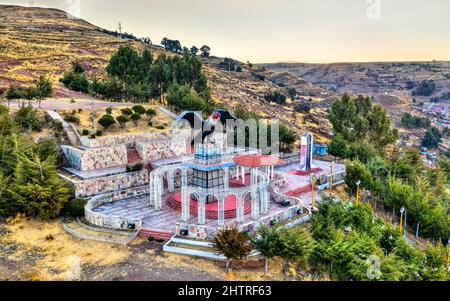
point(205, 127)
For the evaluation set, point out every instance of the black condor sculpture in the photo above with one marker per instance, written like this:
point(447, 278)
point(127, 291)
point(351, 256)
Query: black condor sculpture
point(208, 126)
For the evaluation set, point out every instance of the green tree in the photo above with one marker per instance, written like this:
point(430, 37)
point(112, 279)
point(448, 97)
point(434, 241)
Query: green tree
point(139, 109)
point(232, 243)
point(106, 121)
point(150, 114)
point(44, 88)
point(27, 119)
point(267, 242)
point(122, 120)
point(295, 245)
point(135, 118)
point(356, 171)
point(432, 138)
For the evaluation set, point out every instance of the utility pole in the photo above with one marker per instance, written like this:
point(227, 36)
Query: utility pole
point(120, 28)
point(331, 179)
point(357, 192)
point(313, 183)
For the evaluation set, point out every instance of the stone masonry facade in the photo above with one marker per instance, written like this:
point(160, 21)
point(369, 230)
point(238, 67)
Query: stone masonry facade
point(112, 183)
point(161, 149)
point(96, 158)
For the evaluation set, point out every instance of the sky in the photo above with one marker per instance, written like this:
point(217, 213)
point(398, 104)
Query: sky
point(269, 31)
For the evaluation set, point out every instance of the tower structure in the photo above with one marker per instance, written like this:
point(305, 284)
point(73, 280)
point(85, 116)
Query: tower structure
point(306, 152)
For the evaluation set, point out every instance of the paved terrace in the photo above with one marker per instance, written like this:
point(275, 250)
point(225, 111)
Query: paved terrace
point(165, 219)
point(296, 181)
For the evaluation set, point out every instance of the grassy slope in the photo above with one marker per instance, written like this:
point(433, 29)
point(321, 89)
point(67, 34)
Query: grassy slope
point(35, 41)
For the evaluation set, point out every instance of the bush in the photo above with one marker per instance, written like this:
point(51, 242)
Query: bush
point(135, 118)
point(109, 111)
point(85, 132)
point(139, 109)
point(160, 127)
point(80, 111)
point(122, 120)
point(106, 121)
point(127, 112)
point(99, 132)
point(72, 119)
point(75, 208)
point(150, 124)
point(57, 125)
point(150, 114)
point(135, 167)
point(27, 118)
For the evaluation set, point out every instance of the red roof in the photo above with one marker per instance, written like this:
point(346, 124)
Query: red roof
point(257, 160)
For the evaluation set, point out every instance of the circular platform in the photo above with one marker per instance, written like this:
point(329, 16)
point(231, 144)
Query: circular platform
point(211, 210)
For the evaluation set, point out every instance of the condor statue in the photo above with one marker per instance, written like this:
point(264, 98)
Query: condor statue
point(206, 127)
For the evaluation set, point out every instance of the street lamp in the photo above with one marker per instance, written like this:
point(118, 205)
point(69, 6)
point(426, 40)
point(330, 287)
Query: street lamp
point(402, 210)
point(313, 183)
point(357, 192)
point(331, 178)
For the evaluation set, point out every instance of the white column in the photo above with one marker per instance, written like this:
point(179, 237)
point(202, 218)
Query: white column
point(158, 193)
point(243, 174)
point(255, 205)
point(226, 180)
point(254, 193)
point(221, 212)
point(185, 198)
point(237, 172)
point(170, 181)
point(201, 211)
point(273, 172)
point(240, 209)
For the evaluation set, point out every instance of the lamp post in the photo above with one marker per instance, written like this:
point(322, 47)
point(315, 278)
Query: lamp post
point(357, 192)
point(331, 178)
point(313, 183)
point(402, 210)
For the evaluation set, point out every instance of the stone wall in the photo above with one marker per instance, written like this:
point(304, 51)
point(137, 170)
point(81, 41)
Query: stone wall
point(96, 158)
point(112, 183)
point(114, 222)
point(161, 149)
point(127, 140)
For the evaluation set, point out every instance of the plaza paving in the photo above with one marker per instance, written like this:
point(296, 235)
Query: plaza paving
point(165, 219)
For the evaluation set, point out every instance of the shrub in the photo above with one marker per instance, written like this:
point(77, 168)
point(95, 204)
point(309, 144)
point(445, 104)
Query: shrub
point(109, 111)
point(150, 123)
point(72, 118)
point(99, 132)
point(150, 114)
point(106, 121)
point(122, 120)
point(27, 118)
point(85, 132)
point(127, 112)
point(139, 109)
point(135, 167)
point(80, 110)
point(135, 118)
point(160, 127)
point(75, 208)
point(57, 125)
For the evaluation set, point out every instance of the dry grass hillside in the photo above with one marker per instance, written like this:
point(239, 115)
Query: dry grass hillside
point(35, 41)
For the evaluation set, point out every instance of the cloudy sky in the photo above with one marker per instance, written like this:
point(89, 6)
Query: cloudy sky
point(282, 30)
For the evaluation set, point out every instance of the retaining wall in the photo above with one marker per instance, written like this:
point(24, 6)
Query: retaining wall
point(161, 149)
point(127, 140)
point(96, 158)
point(113, 183)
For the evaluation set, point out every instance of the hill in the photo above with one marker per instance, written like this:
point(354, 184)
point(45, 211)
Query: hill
point(35, 41)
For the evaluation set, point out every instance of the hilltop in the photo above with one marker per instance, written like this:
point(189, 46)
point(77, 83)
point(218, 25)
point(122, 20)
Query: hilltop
point(36, 41)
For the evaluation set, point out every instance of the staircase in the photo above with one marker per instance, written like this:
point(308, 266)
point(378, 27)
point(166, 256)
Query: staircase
point(71, 132)
point(298, 191)
point(155, 234)
point(210, 214)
